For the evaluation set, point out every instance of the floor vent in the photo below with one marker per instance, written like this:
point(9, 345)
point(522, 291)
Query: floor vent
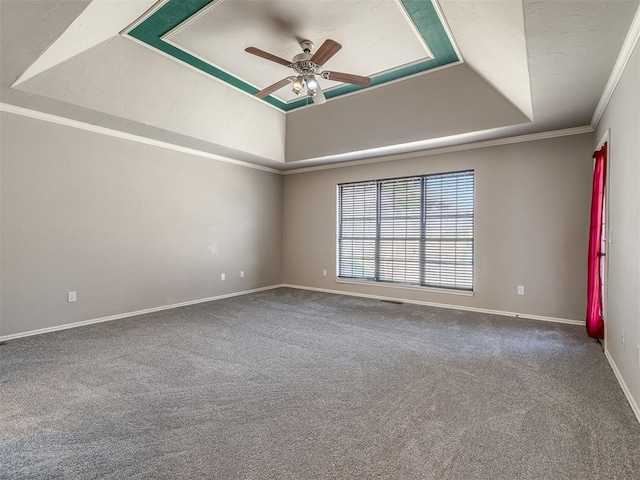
point(395, 302)
point(2, 343)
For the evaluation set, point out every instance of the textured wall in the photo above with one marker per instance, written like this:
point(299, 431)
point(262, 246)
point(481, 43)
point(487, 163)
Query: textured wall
point(622, 117)
point(126, 225)
point(401, 112)
point(531, 225)
point(123, 85)
point(500, 25)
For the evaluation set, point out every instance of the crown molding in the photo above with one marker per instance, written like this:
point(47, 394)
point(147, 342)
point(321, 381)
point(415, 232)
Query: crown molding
point(454, 148)
point(25, 112)
point(618, 69)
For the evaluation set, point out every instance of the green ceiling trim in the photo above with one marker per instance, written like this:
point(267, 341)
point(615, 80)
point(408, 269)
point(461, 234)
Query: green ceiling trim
point(174, 12)
point(167, 17)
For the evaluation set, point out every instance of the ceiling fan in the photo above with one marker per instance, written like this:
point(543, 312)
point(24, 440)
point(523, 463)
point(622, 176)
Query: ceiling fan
point(307, 66)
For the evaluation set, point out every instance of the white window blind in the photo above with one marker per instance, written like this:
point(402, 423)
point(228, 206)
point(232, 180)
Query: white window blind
point(414, 230)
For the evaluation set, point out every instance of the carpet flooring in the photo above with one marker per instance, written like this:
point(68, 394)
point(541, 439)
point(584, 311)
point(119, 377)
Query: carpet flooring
point(292, 384)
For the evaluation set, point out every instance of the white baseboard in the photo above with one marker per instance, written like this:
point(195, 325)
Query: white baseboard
point(441, 305)
point(625, 388)
point(271, 287)
point(132, 314)
point(614, 367)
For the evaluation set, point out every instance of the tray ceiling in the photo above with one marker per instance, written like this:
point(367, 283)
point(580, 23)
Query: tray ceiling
point(385, 39)
point(530, 66)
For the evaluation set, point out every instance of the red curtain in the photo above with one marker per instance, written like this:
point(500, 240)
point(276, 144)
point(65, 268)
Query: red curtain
point(595, 321)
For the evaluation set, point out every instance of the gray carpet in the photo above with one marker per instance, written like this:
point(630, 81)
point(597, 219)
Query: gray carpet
point(299, 385)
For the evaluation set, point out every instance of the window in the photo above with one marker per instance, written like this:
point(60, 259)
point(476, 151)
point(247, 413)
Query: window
point(412, 231)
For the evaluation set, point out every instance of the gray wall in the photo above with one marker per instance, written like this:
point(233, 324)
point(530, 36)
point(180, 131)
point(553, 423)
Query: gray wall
point(531, 225)
point(398, 113)
point(622, 117)
point(126, 225)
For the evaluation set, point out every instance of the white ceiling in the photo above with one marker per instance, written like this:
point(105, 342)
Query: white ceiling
point(376, 36)
point(91, 31)
point(531, 66)
point(492, 37)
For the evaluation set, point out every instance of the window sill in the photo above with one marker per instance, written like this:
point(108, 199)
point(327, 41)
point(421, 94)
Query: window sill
point(446, 291)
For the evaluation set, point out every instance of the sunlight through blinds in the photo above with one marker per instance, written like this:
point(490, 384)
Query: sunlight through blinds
point(412, 231)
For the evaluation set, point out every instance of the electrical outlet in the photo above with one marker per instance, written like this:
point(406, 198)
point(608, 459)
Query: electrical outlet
point(623, 337)
point(324, 273)
point(520, 290)
point(222, 277)
point(241, 273)
point(71, 297)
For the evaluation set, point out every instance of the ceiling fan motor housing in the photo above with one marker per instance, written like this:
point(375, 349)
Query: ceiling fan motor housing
point(306, 45)
point(303, 66)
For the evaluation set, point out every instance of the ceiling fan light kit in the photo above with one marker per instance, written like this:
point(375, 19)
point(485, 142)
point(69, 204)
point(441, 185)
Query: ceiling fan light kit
point(298, 85)
point(312, 83)
point(307, 66)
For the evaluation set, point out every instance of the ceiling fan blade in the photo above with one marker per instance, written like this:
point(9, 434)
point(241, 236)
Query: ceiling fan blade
point(318, 96)
point(276, 86)
point(347, 78)
point(327, 50)
point(267, 55)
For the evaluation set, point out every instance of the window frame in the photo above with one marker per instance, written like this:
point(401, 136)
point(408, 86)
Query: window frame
point(422, 285)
